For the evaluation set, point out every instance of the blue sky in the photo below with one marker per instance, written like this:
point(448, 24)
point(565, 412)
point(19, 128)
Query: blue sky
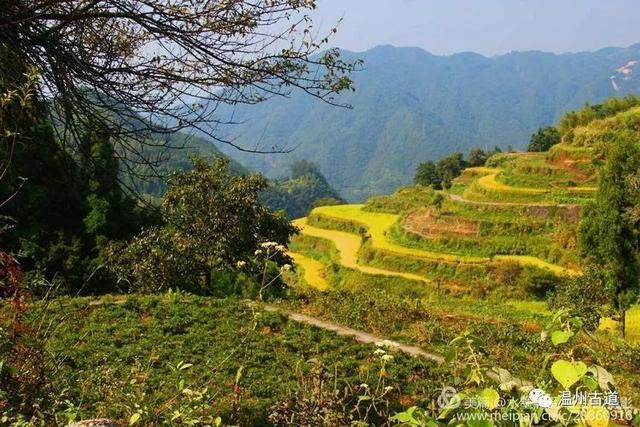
point(488, 27)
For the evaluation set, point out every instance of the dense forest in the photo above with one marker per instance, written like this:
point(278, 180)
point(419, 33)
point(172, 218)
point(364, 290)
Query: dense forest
point(304, 189)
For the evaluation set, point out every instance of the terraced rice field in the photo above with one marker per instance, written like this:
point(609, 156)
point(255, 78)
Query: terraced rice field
point(377, 225)
point(313, 271)
point(493, 192)
point(489, 181)
point(348, 246)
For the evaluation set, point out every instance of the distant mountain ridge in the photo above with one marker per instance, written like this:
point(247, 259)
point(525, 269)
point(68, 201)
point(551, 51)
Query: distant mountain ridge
point(411, 106)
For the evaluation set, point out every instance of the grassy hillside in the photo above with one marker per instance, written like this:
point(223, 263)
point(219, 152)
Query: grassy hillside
point(507, 230)
point(176, 358)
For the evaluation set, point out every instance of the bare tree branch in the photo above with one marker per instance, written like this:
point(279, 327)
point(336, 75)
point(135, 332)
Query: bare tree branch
point(146, 68)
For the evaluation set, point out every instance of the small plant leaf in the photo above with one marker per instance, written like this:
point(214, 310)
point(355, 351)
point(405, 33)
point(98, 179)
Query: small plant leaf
point(603, 377)
point(568, 373)
point(560, 337)
point(134, 419)
point(489, 398)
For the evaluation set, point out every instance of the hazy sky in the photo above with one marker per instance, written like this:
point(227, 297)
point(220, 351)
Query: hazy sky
point(489, 27)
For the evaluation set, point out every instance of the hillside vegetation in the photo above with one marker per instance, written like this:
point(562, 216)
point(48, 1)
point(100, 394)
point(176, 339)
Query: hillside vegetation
point(506, 232)
point(411, 106)
point(496, 274)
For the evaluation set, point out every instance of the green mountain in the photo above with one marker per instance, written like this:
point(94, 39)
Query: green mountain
point(304, 189)
point(411, 106)
point(185, 147)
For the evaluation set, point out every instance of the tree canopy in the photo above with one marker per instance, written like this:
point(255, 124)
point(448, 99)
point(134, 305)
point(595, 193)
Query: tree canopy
point(304, 189)
point(544, 139)
point(610, 230)
point(441, 174)
point(213, 221)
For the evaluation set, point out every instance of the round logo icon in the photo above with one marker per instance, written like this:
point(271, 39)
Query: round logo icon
point(540, 398)
point(545, 401)
point(448, 398)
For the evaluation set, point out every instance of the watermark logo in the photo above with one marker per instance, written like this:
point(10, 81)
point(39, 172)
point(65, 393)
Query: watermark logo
point(448, 398)
point(541, 398)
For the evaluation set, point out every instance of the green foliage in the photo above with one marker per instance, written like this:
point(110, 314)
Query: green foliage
point(441, 174)
point(404, 199)
point(544, 139)
point(42, 186)
point(477, 157)
point(305, 188)
point(609, 236)
point(128, 356)
point(213, 221)
point(449, 168)
point(589, 113)
point(427, 175)
point(487, 395)
point(585, 296)
point(63, 210)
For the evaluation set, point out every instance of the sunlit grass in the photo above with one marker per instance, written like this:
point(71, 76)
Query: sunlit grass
point(538, 307)
point(490, 182)
point(312, 271)
point(633, 325)
point(348, 246)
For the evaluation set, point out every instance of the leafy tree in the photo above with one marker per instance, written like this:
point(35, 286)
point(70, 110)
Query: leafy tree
point(544, 139)
point(59, 207)
point(105, 196)
point(585, 296)
point(477, 157)
point(42, 188)
point(441, 174)
point(213, 221)
point(609, 232)
point(450, 167)
point(427, 175)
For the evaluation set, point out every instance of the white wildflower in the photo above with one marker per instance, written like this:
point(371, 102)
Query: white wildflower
point(286, 267)
point(281, 248)
point(389, 344)
point(379, 352)
point(388, 389)
point(258, 252)
point(364, 385)
point(387, 358)
point(241, 264)
point(379, 344)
